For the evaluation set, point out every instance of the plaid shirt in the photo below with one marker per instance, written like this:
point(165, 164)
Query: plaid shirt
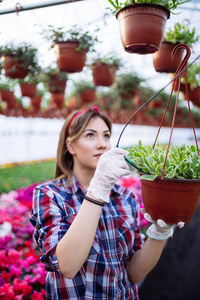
point(118, 236)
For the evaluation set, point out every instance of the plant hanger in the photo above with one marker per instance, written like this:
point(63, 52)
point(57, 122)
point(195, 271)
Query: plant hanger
point(180, 72)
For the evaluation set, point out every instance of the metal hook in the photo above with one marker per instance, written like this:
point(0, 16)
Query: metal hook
point(18, 7)
point(183, 64)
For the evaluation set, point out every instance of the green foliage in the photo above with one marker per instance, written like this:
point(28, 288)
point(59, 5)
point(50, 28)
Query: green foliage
point(52, 72)
point(127, 82)
point(109, 59)
point(181, 34)
point(80, 86)
point(86, 39)
point(22, 176)
point(183, 161)
point(171, 5)
point(23, 52)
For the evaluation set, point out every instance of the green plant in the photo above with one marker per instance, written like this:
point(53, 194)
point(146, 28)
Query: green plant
point(109, 59)
point(169, 4)
point(181, 34)
point(86, 39)
point(193, 75)
point(127, 82)
point(81, 86)
point(182, 162)
point(23, 52)
point(50, 72)
point(6, 83)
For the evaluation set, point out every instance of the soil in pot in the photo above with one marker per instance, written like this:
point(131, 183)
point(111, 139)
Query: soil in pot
point(69, 59)
point(171, 200)
point(142, 27)
point(162, 58)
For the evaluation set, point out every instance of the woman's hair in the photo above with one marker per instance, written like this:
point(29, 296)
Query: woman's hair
point(72, 129)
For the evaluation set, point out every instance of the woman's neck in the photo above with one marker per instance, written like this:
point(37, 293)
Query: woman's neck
point(83, 176)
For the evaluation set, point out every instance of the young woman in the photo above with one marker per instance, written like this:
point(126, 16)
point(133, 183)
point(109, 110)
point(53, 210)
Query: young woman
point(86, 225)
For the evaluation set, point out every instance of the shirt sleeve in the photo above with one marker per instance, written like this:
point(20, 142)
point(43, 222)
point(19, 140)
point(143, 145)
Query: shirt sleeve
point(51, 221)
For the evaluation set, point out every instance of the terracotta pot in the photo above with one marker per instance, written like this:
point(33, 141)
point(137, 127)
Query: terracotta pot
point(68, 58)
point(28, 89)
point(7, 95)
point(14, 68)
point(56, 85)
point(103, 74)
point(58, 99)
point(36, 102)
point(194, 96)
point(88, 95)
point(142, 27)
point(172, 200)
point(162, 58)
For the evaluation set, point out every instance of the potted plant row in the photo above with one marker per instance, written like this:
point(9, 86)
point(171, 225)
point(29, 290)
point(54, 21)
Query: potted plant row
point(142, 22)
point(174, 197)
point(71, 46)
point(180, 34)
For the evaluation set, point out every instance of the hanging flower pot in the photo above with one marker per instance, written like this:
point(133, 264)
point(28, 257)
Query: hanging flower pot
point(36, 103)
point(178, 201)
point(88, 95)
point(56, 84)
point(14, 68)
point(194, 96)
point(162, 58)
point(28, 89)
point(142, 27)
point(103, 74)
point(7, 95)
point(58, 99)
point(69, 59)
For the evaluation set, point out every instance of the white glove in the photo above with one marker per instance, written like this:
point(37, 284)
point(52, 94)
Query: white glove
point(111, 166)
point(160, 230)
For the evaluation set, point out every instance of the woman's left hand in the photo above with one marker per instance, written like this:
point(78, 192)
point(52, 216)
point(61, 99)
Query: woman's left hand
point(160, 230)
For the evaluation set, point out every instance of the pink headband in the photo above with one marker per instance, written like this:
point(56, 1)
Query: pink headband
point(93, 108)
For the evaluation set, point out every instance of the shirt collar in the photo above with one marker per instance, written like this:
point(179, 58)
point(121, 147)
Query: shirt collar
point(74, 187)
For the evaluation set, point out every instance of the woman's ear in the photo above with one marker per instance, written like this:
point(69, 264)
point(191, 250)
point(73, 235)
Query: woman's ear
point(70, 147)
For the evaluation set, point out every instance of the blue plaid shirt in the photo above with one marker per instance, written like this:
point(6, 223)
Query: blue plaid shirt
point(118, 236)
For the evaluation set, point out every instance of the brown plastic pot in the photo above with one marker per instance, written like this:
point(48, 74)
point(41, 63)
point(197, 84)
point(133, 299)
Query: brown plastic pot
point(88, 96)
point(7, 95)
point(103, 74)
point(14, 68)
point(194, 96)
point(56, 85)
point(142, 27)
point(172, 200)
point(69, 59)
point(162, 58)
point(58, 99)
point(28, 89)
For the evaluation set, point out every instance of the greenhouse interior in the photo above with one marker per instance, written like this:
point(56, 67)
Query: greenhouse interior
point(64, 59)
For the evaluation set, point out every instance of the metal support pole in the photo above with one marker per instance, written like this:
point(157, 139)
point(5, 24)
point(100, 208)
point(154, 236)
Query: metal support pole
point(20, 8)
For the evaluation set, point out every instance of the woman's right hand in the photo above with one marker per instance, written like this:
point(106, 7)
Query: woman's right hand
point(111, 166)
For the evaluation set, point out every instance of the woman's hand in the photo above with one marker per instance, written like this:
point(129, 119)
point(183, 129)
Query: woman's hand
point(111, 166)
point(159, 230)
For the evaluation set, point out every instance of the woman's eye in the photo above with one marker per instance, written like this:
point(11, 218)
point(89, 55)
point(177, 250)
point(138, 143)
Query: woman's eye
point(107, 136)
point(90, 134)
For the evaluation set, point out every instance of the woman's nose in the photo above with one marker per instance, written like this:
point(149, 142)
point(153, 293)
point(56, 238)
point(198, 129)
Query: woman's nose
point(101, 143)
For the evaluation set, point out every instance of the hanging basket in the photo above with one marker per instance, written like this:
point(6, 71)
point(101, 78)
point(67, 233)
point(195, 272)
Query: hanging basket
point(7, 96)
point(28, 89)
point(69, 59)
point(14, 68)
point(162, 60)
point(88, 95)
point(58, 99)
point(103, 74)
point(172, 200)
point(55, 85)
point(142, 27)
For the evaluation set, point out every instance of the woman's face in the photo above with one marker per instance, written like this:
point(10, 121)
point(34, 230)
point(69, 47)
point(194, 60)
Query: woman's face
point(94, 141)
